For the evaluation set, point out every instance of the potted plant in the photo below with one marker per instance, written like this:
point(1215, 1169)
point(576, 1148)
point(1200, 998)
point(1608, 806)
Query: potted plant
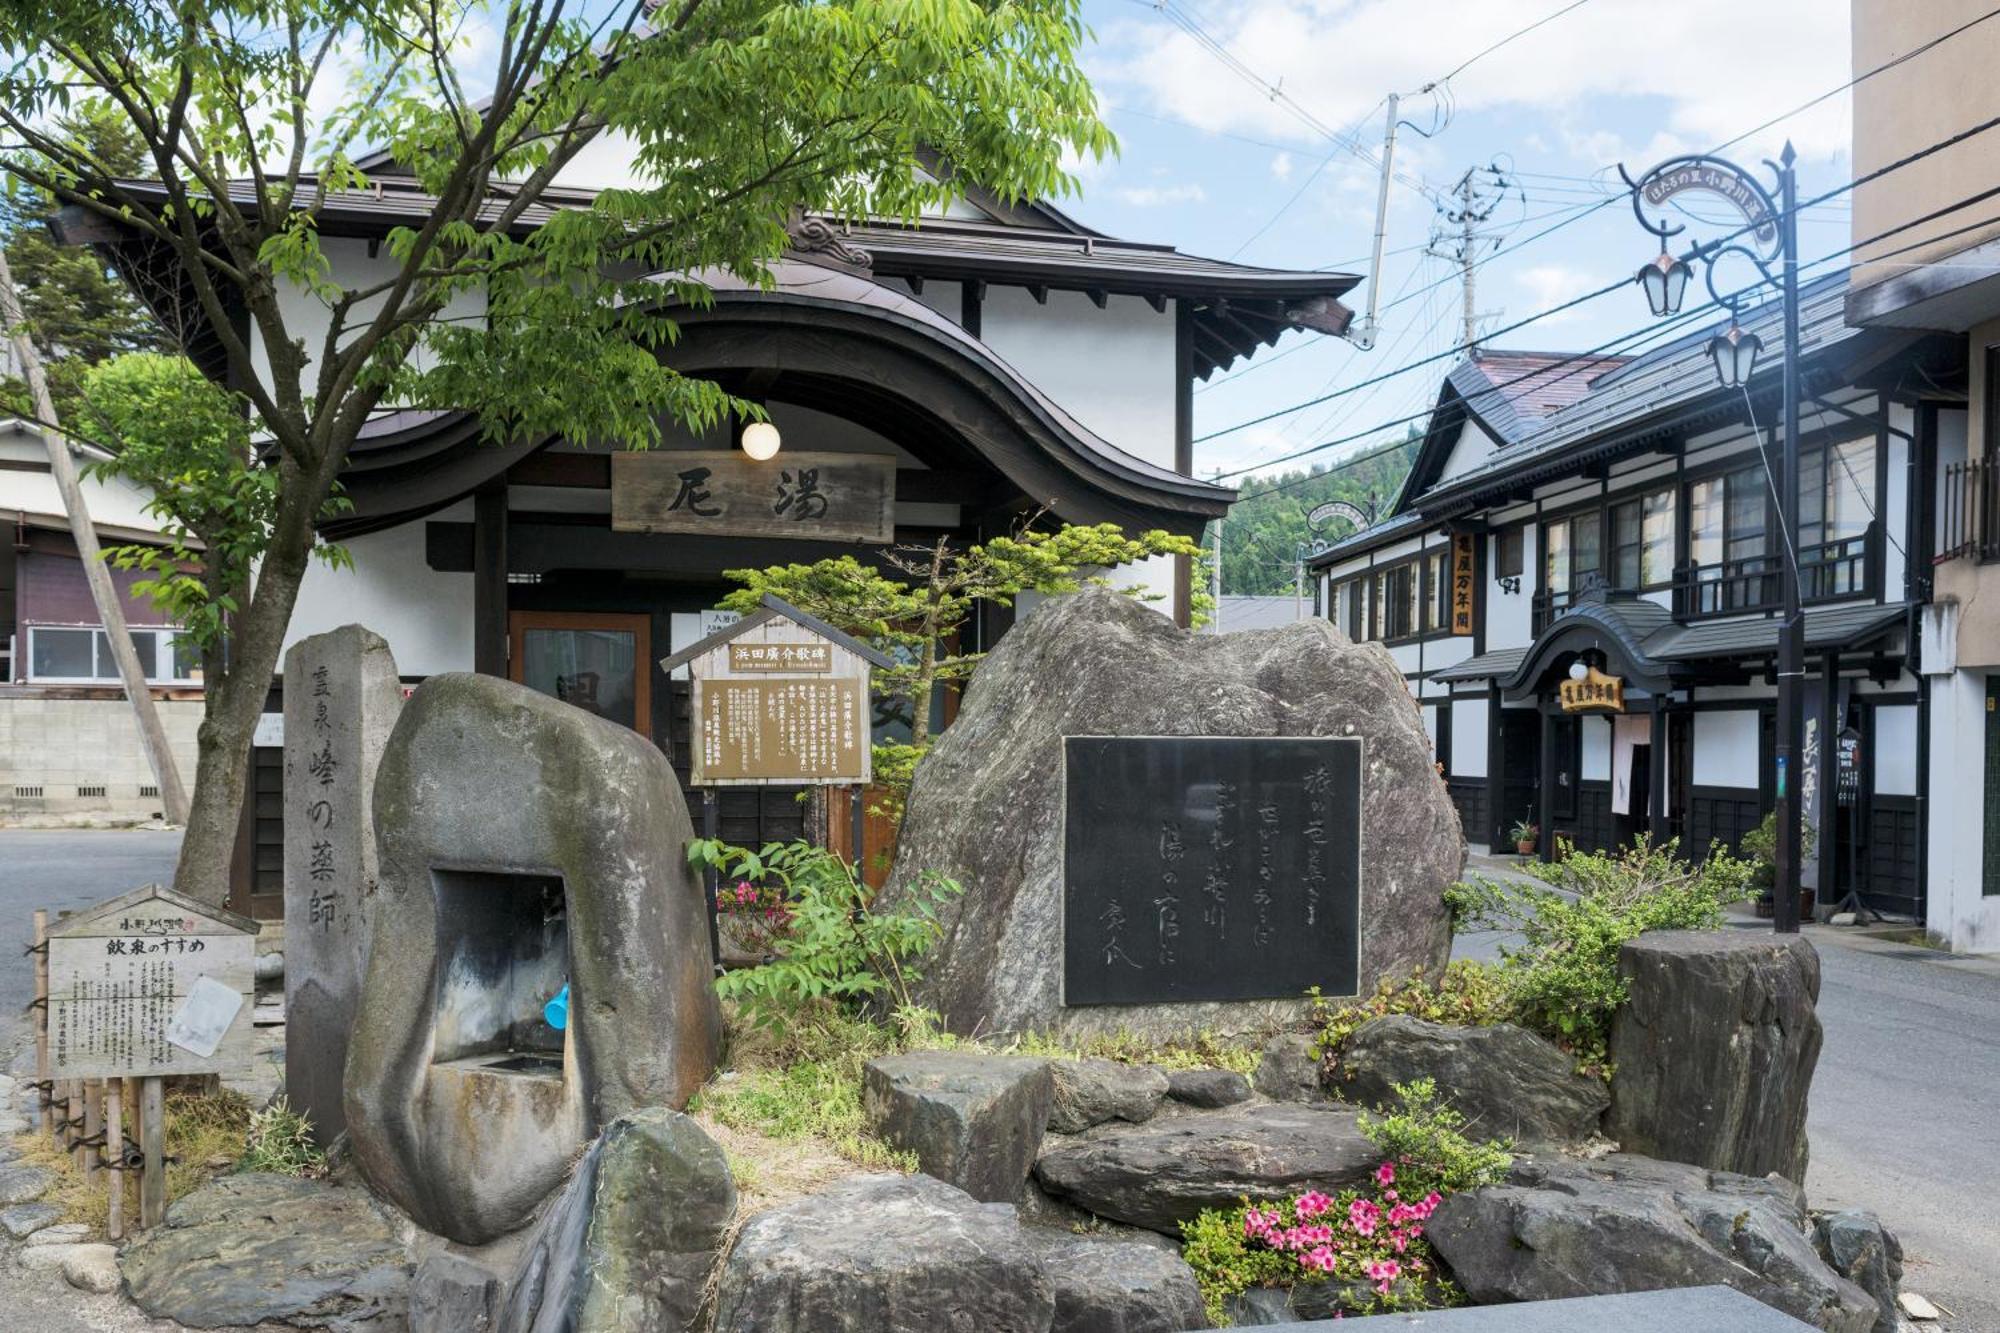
point(1527, 835)
point(1761, 846)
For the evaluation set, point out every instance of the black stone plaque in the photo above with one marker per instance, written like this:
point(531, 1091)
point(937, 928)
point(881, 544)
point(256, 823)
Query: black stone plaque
point(1210, 868)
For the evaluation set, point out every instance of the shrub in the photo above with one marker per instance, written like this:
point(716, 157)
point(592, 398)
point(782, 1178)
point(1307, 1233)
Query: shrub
point(830, 946)
point(280, 1140)
point(1426, 1140)
point(1466, 993)
point(1371, 1241)
point(1562, 979)
point(809, 1088)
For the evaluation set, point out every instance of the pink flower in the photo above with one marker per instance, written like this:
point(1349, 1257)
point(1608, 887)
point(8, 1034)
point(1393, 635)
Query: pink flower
point(1385, 1174)
point(744, 893)
point(1312, 1203)
point(1382, 1273)
point(1321, 1257)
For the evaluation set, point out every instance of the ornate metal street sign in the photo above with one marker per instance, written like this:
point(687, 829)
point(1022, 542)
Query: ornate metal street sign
point(1210, 868)
point(726, 493)
point(1716, 177)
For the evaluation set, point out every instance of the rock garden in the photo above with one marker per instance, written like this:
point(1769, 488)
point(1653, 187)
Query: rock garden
point(893, 1119)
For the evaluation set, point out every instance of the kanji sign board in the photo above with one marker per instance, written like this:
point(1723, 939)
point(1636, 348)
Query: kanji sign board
point(147, 984)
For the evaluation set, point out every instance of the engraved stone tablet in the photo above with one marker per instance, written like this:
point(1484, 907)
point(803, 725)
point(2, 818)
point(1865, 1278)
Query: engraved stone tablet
point(1205, 868)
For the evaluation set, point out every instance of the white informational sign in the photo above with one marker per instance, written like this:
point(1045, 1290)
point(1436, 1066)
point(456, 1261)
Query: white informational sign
point(270, 732)
point(150, 983)
point(713, 620)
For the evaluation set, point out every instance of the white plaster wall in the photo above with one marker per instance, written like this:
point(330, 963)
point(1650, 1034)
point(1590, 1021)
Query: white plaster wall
point(1112, 369)
point(1472, 448)
point(425, 615)
point(1725, 749)
point(110, 500)
point(1468, 738)
point(1510, 617)
point(1958, 907)
point(307, 317)
point(1896, 750)
point(1596, 749)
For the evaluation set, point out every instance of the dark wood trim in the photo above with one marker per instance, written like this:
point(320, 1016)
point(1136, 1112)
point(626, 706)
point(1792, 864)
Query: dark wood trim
point(971, 306)
point(489, 580)
point(548, 468)
point(640, 625)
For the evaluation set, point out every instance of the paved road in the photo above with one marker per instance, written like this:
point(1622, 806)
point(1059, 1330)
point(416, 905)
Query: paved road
point(64, 869)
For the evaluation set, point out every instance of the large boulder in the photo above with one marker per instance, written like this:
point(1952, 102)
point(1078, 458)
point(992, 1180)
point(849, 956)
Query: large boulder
point(1715, 1049)
point(1162, 1173)
point(1090, 1092)
point(629, 1244)
point(973, 1120)
point(1563, 1228)
point(1116, 1286)
point(987, 805)
point(1208, 1088)
point(249, 1249)
point(1505, 1080)
point(885, 1254)
point(1288, 1070)
point(524, 843)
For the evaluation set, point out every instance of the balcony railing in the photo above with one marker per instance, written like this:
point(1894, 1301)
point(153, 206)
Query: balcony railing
point(1969, 519)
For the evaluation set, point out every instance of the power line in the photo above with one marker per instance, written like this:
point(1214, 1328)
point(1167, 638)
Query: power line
point(1897, 165)
point(1468, 63)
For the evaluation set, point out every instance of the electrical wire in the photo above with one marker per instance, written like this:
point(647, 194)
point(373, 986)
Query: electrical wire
point(1512, 36)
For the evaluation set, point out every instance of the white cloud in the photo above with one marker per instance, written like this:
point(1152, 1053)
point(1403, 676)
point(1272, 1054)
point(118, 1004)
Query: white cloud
point(1549, 285)
point(1281, 166)
point(1158, 196)
point(1718, 67)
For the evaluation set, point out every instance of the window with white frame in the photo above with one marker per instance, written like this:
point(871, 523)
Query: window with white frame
point(81, 655)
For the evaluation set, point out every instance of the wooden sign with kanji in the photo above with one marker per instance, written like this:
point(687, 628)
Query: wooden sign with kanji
point(147, 984)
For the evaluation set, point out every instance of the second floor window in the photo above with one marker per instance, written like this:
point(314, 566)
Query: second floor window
point(1836, 505)
point(1726, 541)
point(1642, 541)
point(1572, 553)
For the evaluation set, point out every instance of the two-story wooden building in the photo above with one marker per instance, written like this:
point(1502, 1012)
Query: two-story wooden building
point(1580, 580)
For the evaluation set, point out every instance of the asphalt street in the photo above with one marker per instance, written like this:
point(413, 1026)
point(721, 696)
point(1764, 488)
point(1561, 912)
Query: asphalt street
point(1903, 1104)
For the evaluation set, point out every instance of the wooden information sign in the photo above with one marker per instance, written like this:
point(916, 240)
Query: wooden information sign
point(1461, 582)
point(148, 984)
point(726, 493)
point(779, 698)
point(1210, 868)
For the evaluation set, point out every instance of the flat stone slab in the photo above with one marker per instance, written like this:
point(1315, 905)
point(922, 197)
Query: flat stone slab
point(1161, 1173)
point(1642, 1312)
point(1208, 1088)
point(256, 1247)
point(1090, 1092)
point(1116, 1286)
point(22, 1184)
point(25, 1219)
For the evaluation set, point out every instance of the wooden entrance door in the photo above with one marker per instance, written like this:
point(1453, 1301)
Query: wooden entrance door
point(602, 663)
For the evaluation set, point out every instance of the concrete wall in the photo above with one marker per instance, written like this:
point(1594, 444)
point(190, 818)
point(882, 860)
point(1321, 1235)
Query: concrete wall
point(60, 745)
point(1958, 906)
point(1899, 111)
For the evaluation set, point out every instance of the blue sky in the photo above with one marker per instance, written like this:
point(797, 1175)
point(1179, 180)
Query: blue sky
point(1214, 164)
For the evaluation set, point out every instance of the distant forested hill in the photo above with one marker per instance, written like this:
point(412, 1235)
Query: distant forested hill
point(1261, 535)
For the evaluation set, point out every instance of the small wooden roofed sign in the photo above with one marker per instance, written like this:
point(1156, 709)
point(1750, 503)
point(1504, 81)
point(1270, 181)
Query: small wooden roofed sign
point(779, 698)
point(151, 982)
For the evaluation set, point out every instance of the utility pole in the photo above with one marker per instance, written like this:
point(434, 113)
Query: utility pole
point(1215, 578)
point(110, 611)
point(1476, 196)
point(1365, 338)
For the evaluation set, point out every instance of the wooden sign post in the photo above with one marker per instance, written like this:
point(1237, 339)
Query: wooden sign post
point(147, 985)
point(779, 698)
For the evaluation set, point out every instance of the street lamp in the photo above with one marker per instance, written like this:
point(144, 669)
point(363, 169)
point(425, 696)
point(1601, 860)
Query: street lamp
point(1663, 281)
point(761, 441)
point(1734, 353)
point(1769, 239)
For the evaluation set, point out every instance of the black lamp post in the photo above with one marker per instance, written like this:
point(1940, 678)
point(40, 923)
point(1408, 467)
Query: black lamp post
point(1769, 239)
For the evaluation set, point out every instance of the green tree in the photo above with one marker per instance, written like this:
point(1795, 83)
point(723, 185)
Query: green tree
point(739, 116)
point(187, 441)
point(915, 608)
point(1261, 536)
point(79, 310)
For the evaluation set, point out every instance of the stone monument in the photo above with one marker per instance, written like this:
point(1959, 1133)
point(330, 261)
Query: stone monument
point(1282, 825)
point(525, 845)
point(342, 696)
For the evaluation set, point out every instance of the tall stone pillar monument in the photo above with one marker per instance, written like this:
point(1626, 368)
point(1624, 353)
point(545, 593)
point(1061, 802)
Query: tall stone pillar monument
point(342, 698)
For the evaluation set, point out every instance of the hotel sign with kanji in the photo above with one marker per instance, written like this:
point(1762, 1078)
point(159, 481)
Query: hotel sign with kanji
point(1462, 582)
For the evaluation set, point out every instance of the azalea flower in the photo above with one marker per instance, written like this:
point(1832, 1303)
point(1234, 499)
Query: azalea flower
point(1385, 1174)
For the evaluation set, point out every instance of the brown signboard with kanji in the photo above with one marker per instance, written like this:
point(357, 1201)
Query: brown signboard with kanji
point(1595, 693)
point(1461, 582)
point(150, 983)
point(726, 493)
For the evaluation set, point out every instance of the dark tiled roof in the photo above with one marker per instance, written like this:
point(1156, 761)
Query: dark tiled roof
point(1826, 627)
point(1498, 663)
point(1513, 392)
point(1406, 524)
